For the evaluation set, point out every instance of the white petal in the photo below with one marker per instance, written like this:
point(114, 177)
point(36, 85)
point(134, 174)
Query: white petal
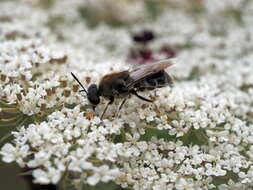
point(8, 148)
point(40, 177)
point(8, 158)
point(93, 180)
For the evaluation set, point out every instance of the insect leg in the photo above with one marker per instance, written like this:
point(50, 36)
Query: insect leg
point(111, 100)
point(142, 98)
point(120, 107)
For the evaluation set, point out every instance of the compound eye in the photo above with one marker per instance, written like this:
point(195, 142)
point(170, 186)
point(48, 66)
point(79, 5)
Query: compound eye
point(93, 95)
point(94, 99)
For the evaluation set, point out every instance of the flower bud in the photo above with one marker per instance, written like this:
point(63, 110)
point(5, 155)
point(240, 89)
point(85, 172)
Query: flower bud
point(87, 80)
point(89, 115)
point(63, 82)
point(49, 92)
point(75, 87)
point(3, 77)
point(67, 92)
point(43, 107)
point(53, 90)
point(19, 96)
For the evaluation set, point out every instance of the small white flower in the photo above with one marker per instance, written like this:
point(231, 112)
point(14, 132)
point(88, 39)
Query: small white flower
point(93, 180)
point(42, 177)
point(8, 153)
point(11, 153)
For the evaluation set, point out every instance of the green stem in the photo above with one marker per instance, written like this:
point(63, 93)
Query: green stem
point(10, 120)
point(6, 136)
point(4, 104)
point(9, 110)
point(63, 182)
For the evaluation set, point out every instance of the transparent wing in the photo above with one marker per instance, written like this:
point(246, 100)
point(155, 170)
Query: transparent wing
point(141, 72)
point(158, 80)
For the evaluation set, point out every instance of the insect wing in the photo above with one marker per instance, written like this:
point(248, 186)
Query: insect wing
point(158, 80)
point(143, 71)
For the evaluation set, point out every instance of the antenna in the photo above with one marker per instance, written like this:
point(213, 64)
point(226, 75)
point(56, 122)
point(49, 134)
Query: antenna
point(84, 90)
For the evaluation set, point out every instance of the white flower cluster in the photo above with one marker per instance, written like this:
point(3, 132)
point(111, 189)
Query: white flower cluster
point(72, 143)
point(21, 61)
point(196, 135)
